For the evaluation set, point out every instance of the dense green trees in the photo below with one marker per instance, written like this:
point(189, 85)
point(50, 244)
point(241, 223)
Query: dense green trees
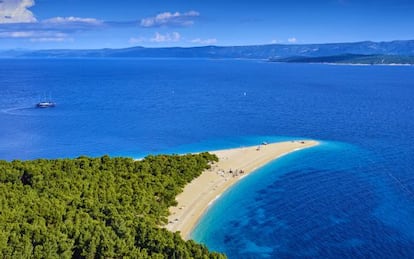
point(95, 207)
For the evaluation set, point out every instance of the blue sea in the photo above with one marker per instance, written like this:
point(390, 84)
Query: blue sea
point(350, 197)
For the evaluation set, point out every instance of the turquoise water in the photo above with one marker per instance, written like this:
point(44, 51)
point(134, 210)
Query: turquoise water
point(352, 196)
point(312, 203)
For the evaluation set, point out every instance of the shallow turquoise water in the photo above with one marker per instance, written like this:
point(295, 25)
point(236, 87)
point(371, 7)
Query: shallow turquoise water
point(312, 203)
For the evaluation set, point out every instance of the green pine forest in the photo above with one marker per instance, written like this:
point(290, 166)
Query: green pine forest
point(96, 207)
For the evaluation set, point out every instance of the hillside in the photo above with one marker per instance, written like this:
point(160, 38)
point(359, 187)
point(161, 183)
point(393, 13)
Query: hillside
point(272, 51)
point(351, 59)
point(95, 207)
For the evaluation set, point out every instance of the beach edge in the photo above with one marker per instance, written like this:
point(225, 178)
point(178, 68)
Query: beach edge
point(233, 165)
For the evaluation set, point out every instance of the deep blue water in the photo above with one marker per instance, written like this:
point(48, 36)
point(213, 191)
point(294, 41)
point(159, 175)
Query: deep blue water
point(352, 196)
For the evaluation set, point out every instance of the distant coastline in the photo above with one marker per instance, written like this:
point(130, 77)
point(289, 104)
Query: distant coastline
point(351, 59)
point(233, 165)
point(365, 52)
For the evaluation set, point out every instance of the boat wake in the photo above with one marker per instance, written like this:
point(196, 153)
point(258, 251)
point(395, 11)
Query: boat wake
point(22, 111)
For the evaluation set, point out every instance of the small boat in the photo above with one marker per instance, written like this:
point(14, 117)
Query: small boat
point(45, 104)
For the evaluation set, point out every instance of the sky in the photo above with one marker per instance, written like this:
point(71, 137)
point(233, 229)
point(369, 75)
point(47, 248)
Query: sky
point(93, 24)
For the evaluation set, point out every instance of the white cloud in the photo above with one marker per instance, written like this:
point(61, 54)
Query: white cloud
point(292, 40)
point(168, 37)
point(72, 19)
point(135, 40)
point(205, 41)
point(18, 22)
point(16, 34)
point(16, 11)
point(51, 39)
point(157, 38)
point(55, 29)
point(192, 13)
point(37, 36)
point(170, 19)
point(276, 41)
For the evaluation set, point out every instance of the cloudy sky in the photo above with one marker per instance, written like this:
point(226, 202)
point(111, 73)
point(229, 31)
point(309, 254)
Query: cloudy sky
point(40, 24)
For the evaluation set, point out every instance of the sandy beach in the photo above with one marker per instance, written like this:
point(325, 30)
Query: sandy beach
point(233, 165)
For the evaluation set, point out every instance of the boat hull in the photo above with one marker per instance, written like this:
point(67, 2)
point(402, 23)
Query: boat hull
point(45, 105)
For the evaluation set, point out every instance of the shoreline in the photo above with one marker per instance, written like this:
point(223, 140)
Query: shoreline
point(348, 64)
point(233, 165)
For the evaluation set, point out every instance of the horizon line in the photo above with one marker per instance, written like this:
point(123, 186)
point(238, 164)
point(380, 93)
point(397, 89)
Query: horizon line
point(204, 46)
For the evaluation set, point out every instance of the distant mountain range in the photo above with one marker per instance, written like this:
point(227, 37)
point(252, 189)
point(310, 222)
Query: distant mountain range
point(366, 52)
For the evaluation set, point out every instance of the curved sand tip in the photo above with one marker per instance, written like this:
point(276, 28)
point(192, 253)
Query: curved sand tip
point(233, 165)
